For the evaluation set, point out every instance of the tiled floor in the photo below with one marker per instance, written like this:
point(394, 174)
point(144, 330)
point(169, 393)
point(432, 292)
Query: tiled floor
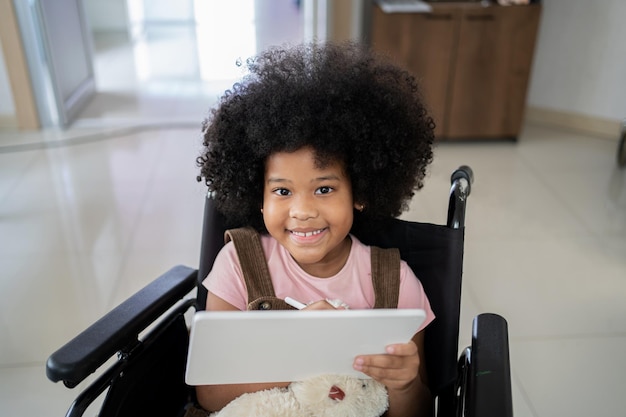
point(90, 215)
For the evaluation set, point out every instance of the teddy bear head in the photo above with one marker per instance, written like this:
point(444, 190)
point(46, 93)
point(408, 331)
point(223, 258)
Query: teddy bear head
point(331, 395)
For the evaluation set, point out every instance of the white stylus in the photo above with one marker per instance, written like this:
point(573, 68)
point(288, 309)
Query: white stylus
point(294, 303)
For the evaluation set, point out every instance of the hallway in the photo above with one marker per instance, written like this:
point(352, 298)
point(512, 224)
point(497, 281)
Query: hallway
point(90, 215)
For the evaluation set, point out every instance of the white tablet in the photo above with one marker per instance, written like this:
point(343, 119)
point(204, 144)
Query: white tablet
point(232, 347)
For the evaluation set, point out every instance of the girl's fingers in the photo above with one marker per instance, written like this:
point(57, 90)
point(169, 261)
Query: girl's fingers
point(385, 365)
point(397, 368)
point(402, 349)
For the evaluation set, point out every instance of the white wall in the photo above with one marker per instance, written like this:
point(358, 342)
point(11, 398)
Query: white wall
point(580, 59)
point(109, 15)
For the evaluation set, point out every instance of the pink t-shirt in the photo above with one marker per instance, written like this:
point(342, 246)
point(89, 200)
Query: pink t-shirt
point(352, 285)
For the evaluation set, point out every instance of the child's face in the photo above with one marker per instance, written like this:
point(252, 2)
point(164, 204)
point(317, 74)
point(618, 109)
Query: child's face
point(309, 210)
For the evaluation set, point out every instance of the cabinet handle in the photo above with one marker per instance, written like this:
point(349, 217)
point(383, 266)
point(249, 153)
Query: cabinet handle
point(480, 17)
point(432, 16)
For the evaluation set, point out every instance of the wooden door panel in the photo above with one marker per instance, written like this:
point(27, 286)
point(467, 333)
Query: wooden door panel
point(493, 65)
point(424, 44)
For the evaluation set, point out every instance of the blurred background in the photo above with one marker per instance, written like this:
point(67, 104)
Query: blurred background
point(101, 105)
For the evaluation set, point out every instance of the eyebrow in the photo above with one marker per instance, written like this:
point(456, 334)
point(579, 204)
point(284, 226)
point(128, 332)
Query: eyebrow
point(330, 177)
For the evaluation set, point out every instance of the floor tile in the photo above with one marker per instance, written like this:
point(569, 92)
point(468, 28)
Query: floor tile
point(45, 300)
point(549, 287)
point(572, 376)
point(596, 198)
point(27, 392)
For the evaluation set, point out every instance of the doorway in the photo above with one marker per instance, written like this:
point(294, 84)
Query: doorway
point(157, 60)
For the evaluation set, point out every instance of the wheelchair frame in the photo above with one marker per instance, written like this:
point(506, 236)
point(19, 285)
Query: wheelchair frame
point(482, 386)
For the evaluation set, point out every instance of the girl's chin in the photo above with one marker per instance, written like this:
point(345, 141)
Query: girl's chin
point(306, 258)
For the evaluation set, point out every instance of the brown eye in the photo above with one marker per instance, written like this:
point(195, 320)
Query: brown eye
point(324, 190)
point(281, 191)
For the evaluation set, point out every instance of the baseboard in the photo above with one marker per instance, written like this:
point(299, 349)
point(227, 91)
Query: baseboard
point(606, 128)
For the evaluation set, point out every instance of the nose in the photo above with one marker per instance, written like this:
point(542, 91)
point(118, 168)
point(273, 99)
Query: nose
point(303, 208)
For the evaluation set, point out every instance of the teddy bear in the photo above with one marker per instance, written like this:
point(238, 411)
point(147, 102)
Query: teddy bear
point(326, 395)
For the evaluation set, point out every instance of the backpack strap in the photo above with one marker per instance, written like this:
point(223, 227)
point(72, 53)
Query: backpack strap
point(252, 259)
point(256, 274)
point(261, 296)
point(385, 276)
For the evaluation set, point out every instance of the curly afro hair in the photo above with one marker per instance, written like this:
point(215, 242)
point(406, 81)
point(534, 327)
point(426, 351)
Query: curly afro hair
point(345, 102)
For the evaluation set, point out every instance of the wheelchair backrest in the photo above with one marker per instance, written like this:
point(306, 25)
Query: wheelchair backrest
point(434, 253)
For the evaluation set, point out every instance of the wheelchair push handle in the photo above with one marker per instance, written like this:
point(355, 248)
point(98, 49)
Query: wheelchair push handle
point(461, 185)
point(463, 172)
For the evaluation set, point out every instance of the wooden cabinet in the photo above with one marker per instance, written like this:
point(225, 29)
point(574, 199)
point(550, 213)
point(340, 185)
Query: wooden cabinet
point(473, 62)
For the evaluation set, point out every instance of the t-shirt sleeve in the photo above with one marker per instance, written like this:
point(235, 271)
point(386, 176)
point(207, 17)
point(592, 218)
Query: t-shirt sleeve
point(412, 294)
point(226, 279)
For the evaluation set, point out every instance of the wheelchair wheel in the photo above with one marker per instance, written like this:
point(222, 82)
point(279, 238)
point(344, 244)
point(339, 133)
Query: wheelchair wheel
point(621, 150)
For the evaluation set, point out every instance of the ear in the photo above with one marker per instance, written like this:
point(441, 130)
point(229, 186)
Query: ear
point(359, 206)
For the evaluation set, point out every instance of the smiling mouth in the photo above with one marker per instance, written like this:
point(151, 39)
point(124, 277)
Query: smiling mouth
point(307, 234)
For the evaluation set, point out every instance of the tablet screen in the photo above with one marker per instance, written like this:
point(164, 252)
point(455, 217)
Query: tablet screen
point(232, 347)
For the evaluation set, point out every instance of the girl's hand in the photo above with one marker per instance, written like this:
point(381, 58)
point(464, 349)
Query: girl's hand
point(403, 371)
point(397, 369)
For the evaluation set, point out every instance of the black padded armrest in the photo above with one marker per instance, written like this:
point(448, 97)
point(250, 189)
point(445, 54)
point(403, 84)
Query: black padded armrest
point(84, 354)
point(489, 377)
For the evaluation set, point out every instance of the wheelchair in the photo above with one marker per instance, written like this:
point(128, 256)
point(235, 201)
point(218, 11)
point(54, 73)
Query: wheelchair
point(148, 376)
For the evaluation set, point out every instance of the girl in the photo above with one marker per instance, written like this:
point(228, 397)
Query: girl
point(314, 139)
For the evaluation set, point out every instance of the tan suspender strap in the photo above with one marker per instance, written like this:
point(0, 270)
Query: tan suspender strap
point(386, 276)
point(252, 259)
point(385, 271)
